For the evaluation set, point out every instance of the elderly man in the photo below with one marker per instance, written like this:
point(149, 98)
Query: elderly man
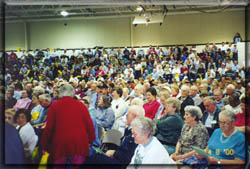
point(185, 99)
point(45, 101)
point(229, 90)
point(123, 154)
point(211, 114)
point(218, 94)
point(194, 95)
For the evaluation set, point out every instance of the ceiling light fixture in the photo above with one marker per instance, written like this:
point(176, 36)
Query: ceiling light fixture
point(139, 8)
point(64, 13)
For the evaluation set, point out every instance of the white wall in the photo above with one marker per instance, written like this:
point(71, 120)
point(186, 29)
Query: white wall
point(177, 29)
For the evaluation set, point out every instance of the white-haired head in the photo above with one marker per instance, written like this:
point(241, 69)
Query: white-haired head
point(66, 90)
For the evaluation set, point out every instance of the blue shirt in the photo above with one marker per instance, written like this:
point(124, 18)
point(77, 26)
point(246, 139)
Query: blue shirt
point(39, 109)
point(227, 148)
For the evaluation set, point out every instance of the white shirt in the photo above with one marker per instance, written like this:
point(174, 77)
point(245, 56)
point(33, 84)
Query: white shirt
point(28, 137)
point(119, 106)
point(236, 109)
point(152, 153)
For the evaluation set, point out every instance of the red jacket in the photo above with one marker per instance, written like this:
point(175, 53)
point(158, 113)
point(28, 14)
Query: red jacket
point(69, 129)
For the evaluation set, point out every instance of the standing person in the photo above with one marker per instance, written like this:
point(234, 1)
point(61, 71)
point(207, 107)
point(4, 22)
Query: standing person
point(69, 129)
point(237, 38)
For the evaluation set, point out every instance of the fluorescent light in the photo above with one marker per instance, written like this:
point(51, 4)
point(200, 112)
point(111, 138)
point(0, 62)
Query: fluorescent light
point(64, 13)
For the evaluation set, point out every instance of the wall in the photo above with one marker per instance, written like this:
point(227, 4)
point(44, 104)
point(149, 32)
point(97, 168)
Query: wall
point(176, 29)
point(192, 28)
point(14, 36)
point(80, 33)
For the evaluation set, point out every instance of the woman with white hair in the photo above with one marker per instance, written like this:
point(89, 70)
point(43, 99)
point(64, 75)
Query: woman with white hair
point(227, 144)
point(69, 129)
point(193, 133)
point(149, 149)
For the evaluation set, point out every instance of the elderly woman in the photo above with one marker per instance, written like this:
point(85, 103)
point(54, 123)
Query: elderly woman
point(23, 103)
point(227, 145)
point(168, 128)
point(104, 115)
point(152, 106)
point(69, 129)
point(193, 133)
point(163, 96)
point(149, 149)
point(26, 132)
point(35, 112)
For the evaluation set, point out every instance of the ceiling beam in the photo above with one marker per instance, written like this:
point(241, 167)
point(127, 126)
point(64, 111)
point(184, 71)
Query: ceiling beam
point(126, 3)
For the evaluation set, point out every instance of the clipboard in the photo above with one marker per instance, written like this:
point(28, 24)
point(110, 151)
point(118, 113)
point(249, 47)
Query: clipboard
point(200, 151)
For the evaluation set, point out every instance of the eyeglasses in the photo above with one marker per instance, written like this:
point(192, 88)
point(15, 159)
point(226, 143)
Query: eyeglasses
point(224, 123)
point(21, 117)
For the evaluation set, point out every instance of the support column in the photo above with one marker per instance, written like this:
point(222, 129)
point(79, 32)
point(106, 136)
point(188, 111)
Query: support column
point(131, 32)
point(26, 36)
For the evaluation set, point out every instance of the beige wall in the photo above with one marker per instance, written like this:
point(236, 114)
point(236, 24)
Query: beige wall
point(80, 33)
point(192, 28)
point(177, 29)
point(14, 36)
point(248, 23)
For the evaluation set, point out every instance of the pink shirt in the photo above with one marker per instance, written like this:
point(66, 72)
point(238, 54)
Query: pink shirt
point(151, 109)
point(22, 104)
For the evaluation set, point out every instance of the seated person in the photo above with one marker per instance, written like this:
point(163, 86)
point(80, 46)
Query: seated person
point(24, 102)
point(193, 133)
point(152, 105)
point(234, 103)
point(149, 149)
point(26, 132)
point(227, 144)
point(242, 121)
point(123, 154)
point(104, 114)
point(168, 128)
point(211, 114)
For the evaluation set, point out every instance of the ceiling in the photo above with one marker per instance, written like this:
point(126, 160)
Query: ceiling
point(35, 10)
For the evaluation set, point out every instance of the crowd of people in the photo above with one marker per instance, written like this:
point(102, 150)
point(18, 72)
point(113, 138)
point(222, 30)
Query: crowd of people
point(163, 101)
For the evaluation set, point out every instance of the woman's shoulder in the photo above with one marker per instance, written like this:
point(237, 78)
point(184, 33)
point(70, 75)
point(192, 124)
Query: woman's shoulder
point(27, 128)
point(201, 127)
